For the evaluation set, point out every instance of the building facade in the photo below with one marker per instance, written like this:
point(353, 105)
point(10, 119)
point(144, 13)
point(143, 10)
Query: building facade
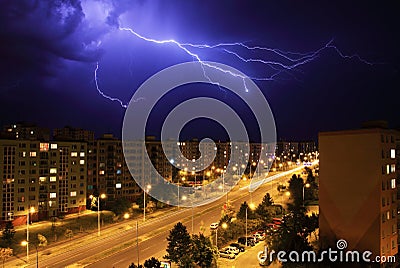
point(107, 171)
point(358, 190)
point(47, 178)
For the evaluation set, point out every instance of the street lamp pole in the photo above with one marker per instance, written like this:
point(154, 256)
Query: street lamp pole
point(37, 257)
point(192, 218)
point(98, 216)
point(30, 210)
point(98, 210)
point(27, 238)
point(246, 225)
point(144, 205)
point(137, 241)
point(178, 193)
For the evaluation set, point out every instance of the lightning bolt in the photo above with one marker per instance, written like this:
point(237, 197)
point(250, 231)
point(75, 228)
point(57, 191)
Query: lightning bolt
point(102, 93)
point(293, 59)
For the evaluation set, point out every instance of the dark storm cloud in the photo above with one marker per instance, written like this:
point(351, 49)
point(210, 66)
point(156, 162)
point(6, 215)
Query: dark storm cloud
point(36, 35)
point(118, 8)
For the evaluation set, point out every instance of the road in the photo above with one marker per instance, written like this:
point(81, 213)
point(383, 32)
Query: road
point(117, 247)
point(205, 215)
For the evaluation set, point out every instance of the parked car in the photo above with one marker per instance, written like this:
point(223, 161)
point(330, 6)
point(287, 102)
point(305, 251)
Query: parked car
point(226, 254)
point(258, 236)
point(277, 221)
point(214, 225)
point(250, 241)
point(262, 232)
point(238, 246)
point(232, 250)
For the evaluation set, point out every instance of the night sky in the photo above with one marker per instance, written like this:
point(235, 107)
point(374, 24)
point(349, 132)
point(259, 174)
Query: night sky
point(49, 51)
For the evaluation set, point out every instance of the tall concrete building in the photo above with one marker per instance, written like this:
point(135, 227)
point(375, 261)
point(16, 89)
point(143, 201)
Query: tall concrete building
point(358, 190)
point(49, 177)
point(107, 170)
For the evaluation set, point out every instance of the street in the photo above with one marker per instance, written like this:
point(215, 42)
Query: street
point(117, 247)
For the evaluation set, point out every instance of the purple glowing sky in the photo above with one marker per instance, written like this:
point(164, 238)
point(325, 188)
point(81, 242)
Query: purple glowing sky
point(49, 52)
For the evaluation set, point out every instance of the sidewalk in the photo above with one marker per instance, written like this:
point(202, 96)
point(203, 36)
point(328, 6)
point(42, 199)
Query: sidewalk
point(49, 223)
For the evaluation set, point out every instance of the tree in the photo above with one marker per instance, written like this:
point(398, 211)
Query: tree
point(296, 185)
point(267, 200)
point(265, 210)
point(152, 263)
point(313, 224)
point(202, 253)
point(311, 193)
point(228, 212)
point(120, 206)
point(5, 253)
point(8, 234)
point(179, 246)
point(242, 212)
point(42, 240)
point(294, 231)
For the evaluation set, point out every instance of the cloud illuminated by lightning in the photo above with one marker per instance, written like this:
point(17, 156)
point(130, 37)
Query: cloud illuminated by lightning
point(293, 59)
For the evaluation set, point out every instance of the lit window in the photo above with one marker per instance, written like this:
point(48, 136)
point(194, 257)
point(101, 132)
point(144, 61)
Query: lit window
point(118, 185)
point(42, 179)
point(392, 153)
point(101, 172)
point(53, 195)
point(82, 154)
point(53, 179)
point(74, 154)
point(23, 154)
point(32, 154)
point(53, 146)
point(388, 215)
point(43, 147)
point(73, 193)
point(393, 168)
point(82, 162)
point(393, 183)
point(53, 171)
point(387, 169)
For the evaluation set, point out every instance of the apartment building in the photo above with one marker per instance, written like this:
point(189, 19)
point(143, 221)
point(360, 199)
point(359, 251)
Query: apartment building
point(48, 178)
point(358, 189)
point(107, 170)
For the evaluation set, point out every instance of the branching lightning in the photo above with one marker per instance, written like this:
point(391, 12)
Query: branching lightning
point(293, 59)
point(102, 93)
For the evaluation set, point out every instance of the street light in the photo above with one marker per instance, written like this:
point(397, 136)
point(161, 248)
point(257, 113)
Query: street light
point(31, 210)
point(148, 187)
point(25, 243)
point(252, 207)
point(184, 198)
point(307, 185)
point(102, 196)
